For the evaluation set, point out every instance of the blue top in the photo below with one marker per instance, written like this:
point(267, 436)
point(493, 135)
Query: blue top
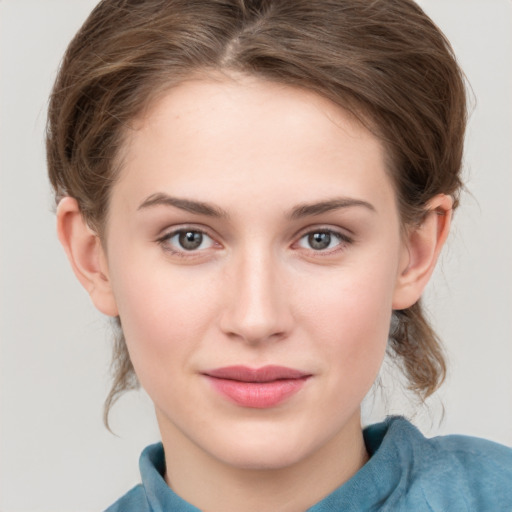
point(406, 472)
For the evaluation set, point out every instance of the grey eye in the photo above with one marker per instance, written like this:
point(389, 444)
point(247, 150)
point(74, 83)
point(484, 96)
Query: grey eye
point(190, 240)
point(187, 240)
point(322, 239)
point(319, 241)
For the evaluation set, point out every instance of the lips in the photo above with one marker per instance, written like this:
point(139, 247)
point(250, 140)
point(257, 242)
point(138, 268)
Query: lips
point(259, 388)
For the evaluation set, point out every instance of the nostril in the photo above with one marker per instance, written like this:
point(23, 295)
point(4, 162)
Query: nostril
point(255, 334)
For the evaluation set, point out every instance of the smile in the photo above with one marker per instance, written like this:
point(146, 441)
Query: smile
point(258, 388)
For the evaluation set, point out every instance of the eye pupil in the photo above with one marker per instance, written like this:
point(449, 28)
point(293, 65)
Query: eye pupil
point(319, 241)
point(190, 240)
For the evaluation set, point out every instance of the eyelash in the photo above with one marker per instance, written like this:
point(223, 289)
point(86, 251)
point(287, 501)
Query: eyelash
point(343, 241)
point(165, 241)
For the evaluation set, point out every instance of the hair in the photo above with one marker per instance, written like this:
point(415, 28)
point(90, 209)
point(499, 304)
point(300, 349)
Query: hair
point(383, 60)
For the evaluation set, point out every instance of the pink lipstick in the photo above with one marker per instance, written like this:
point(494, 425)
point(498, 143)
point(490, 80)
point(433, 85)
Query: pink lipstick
point(258, 388)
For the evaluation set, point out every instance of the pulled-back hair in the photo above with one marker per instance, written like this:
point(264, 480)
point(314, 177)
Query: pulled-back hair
point(383, 60)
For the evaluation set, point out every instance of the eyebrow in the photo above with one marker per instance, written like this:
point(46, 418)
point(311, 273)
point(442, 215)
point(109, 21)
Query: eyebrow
point(189, 205)
point(311, 209)
point(300, 211)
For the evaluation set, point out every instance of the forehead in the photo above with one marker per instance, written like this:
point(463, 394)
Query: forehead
point(240, 131)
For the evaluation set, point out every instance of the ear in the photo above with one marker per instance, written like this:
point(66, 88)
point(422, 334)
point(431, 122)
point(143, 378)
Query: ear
point(86, 255)
point(421, 249)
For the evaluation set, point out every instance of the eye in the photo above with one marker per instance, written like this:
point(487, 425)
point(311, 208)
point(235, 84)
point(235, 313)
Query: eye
point(322, 240)
point(188, 240)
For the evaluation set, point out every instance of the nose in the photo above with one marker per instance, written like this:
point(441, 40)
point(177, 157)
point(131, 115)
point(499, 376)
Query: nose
point(258, 307)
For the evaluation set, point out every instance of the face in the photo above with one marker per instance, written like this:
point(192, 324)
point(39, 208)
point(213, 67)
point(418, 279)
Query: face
point(253, 247)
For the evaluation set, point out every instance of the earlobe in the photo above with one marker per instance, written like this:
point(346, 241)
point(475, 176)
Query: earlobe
point(86, 255)
point(421, 251)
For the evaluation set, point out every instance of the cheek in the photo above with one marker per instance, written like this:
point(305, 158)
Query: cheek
point(351, 317)
point(164, 314)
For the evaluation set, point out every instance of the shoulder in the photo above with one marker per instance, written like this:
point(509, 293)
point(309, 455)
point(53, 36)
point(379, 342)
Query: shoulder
point(472, 452)
point(134, 500)
point(481, 470)
point(453, 472)
point(153, 494)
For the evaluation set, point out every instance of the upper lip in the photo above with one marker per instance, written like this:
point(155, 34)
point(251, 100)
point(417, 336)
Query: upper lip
point(264, 374)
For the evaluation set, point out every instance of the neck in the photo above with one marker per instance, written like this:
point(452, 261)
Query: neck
point(211, 484)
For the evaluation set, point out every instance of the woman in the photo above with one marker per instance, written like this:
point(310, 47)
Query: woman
point(258, 192)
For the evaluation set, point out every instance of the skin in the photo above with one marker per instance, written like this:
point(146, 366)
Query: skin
point(255, 291)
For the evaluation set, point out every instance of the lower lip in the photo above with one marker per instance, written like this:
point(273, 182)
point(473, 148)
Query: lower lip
point(258, 395)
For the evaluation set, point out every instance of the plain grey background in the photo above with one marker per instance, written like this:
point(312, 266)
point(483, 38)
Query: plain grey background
point(55, 454)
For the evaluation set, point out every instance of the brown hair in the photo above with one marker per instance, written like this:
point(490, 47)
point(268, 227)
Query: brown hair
point(383, 60)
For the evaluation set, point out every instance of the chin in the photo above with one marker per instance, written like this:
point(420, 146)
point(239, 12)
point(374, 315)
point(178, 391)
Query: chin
point(267, 450)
